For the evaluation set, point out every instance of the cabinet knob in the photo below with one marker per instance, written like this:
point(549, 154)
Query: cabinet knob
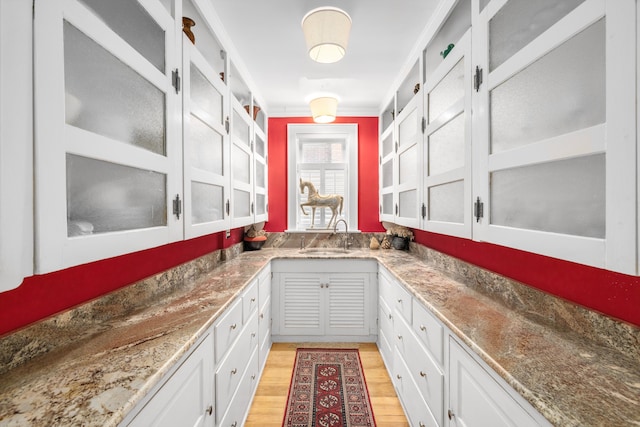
point(399, 337)
point(390, 317)
point(423, 328)
point(450, 414)
point(399, 376)
point(423, 374)
point(421, 424)
point(209, 410)
point(253, 300)
point(253, 377)
point(235, 424)
point(400, 301)
point(253, 334)
point(234, 371)
point(234, 326)
point(262, 315)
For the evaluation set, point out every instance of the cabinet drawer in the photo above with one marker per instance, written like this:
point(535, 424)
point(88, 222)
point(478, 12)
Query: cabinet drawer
point(386, 288)
point(239, 405)
point(249, 301)
point(423, 370)
point(414, 405)
point(230, 371)
point(227, 329)
point(402, 303)
point(429, 330)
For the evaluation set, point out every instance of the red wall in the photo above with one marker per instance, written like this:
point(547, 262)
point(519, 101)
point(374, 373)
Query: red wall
point(367, 171)
point(41, 296)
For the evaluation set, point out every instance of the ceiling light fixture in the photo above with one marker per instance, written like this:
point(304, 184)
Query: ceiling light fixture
point(323, 109)
point(326, 31)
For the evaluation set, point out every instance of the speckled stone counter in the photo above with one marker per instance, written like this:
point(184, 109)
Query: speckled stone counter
point(91, 366)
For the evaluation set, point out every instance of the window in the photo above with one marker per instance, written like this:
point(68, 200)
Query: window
point(326, 156)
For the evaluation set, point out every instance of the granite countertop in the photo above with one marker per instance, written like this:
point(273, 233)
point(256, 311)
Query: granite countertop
point(97, 378)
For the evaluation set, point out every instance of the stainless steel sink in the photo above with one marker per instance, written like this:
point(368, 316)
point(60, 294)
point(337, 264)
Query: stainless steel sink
point(323, 251)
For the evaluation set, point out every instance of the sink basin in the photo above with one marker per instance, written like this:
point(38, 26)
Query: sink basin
point(323, 251)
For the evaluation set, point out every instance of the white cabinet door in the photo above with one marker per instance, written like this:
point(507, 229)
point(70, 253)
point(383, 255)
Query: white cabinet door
point(555, 134)
point(477, 399)
point(348, 304)
point(261, 174)
point(301, 306)
point(206, 145)
point(107, 146)
point(16, 151)
point(186, 398)
point(242, 172)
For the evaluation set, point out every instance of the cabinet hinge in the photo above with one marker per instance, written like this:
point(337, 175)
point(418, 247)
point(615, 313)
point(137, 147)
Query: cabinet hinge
point(177, 206)
point(251, 146)
point(424, 124)
point(380, 159)
point(424, 211)
point(396, 209)
point(396, 146)
point(477, 79)
point(251, 208)
point(478, 209)
point(228, 207)
point(175, 79)
point(226, 125)
point(380, 208)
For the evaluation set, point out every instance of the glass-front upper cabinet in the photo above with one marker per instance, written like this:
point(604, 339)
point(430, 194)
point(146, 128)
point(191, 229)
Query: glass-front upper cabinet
point(107, 145)
point(261, 171)
point(242, 171)
point(206, 145)
point(407, 161)
point(447, 144)
point(554, 137)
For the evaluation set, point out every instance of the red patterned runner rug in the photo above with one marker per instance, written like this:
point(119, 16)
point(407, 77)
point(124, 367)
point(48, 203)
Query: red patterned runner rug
point(328, 389)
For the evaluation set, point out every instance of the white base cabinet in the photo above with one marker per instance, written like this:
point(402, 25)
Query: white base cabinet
point(439, 381)
point(328, 300)
point(186, 397)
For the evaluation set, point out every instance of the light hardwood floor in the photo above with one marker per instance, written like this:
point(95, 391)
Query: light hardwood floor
point(271, 397)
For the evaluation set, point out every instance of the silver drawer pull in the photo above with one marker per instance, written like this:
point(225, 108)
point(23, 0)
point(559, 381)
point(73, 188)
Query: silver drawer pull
point(399, 376)
point(399, 337)
point(421, 424)
point(253, 300)
point(235, 424)
point(234, 326)
point(209, 410)
point(234, 371)
point(400, 301)
point(423, 328)
point(253, 377)
point(423, 374)
point(253, 334)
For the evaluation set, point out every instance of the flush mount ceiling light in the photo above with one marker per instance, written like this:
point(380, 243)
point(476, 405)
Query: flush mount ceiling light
point(326, 31)
point(323, 109)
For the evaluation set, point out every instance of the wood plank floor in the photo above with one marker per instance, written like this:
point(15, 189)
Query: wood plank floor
point(271, 396)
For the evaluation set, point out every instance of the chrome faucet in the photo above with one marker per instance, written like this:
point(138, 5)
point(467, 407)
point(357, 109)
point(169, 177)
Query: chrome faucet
point(345, 239)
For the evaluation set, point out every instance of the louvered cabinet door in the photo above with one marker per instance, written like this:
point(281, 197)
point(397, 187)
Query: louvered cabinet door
point(301, 304)
point(347, 304)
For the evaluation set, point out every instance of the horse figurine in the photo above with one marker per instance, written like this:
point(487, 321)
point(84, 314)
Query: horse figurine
point(315, 200)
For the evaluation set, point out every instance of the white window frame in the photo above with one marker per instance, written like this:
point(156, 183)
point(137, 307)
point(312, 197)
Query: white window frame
point(342, 132)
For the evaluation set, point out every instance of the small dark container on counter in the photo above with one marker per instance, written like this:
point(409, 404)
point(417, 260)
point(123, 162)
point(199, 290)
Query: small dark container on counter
point(254, 243)
point(400, 243)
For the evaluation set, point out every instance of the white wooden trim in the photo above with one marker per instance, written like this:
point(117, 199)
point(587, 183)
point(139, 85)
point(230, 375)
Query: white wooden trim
point(574, 144)
point(347, 132)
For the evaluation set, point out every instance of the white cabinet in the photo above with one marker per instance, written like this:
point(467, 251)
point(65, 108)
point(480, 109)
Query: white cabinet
point(264, 315)
point(238, 337)
point(476, 398)
point(186, 397)
point(329, 306)
point(139, 140)
point(525, 170)
point(438, 381)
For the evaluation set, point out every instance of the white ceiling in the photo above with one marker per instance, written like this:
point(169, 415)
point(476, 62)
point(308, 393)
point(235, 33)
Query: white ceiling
point(267, 35)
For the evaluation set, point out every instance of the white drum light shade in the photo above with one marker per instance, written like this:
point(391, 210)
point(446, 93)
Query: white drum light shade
point(324, 109)
point(326, 31)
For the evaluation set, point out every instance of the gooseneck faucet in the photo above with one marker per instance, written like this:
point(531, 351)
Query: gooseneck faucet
point(345, 239)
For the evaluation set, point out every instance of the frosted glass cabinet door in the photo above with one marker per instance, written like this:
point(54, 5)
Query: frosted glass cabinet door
point(387, 169)
point(261, 175)
point(106, 143)
point(407, 160)
point(560, 121)
point(447, 152)
point(242, 170)
point(206, 145)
